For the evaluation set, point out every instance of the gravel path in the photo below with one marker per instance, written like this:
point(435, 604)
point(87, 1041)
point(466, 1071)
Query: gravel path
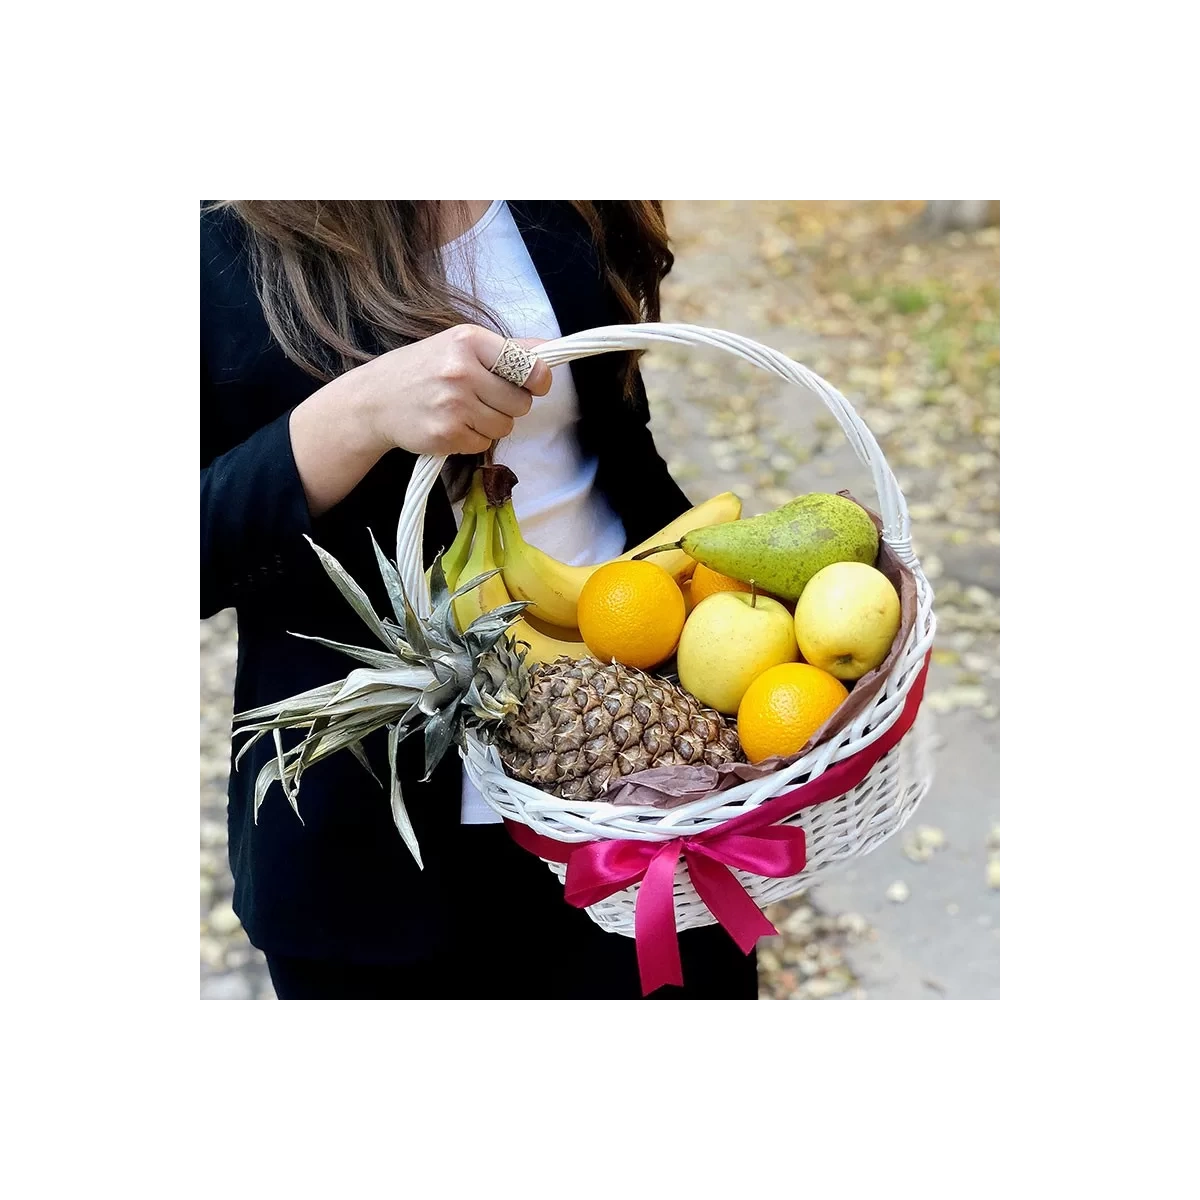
point(908, 329)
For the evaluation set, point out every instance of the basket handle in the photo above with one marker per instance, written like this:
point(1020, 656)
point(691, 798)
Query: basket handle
point(610, 338)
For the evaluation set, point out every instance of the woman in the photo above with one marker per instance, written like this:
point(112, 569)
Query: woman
point(339, 340)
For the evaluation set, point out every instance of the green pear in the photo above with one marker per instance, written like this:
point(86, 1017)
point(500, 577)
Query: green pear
point(781, 551)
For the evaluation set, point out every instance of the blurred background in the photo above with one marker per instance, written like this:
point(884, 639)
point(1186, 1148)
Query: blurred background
point(896, 303)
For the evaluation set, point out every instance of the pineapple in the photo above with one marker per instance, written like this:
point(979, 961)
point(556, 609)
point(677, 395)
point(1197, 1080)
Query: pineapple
point(570, 727)
point(429, 678)
point(584, 725)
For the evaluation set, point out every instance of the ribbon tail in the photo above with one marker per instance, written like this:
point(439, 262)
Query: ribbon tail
point(654, 923)
point(728, 901)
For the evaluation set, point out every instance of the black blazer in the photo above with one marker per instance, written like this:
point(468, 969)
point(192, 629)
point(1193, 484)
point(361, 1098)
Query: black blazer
point(342, 884)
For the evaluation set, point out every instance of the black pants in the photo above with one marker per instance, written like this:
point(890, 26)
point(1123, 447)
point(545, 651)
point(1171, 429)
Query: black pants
point(518, 939)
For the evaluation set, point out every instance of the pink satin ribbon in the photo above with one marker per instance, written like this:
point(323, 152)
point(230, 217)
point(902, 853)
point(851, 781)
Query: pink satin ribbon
point(752, 842)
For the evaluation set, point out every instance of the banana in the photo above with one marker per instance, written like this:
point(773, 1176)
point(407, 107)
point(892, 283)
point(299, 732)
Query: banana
point(455, 557)
point(491, 593)
point(725, 507)
point(552, 587)
point(543, 647)
point(561, 632)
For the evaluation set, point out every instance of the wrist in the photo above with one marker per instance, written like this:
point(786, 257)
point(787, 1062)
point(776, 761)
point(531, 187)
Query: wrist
point(362, 401)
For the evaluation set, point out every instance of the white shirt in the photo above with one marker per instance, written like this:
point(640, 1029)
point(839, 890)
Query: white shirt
point(555, 499)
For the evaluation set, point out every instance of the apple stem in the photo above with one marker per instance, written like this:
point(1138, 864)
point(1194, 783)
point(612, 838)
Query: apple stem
point(753, 594)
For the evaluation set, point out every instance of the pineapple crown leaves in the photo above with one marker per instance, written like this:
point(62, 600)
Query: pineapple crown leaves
point(430, 678)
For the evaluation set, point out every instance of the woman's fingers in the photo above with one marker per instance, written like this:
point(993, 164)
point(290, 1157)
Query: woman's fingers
point(540, 380)
point(488, 405)
point(488, 421)
point(486, 347)
point(471, 442)
point(501, 395)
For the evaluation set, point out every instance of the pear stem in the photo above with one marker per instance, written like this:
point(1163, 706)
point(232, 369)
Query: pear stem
point(753, 594)
point(659, 550)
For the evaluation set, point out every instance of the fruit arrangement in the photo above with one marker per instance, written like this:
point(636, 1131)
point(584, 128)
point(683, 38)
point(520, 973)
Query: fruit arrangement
point(767, 618)
point(554, 664)
point(692, 593)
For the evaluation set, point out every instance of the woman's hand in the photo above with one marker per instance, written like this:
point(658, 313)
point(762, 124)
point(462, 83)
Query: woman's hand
point(436, 396)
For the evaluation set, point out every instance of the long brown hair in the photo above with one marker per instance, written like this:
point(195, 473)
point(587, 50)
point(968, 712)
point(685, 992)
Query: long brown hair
point(341, 281)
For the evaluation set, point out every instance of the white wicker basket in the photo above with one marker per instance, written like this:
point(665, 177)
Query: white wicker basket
point(836, 830)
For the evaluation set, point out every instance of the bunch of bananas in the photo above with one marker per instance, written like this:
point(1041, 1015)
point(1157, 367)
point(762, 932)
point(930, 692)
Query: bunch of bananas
point(490, 538)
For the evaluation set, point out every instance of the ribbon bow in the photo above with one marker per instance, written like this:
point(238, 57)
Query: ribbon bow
point(753, 842)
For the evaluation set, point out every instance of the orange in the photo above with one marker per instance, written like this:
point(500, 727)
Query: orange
point(784, 707)
point(706, 581)
point(632, 612)
point(686, 588)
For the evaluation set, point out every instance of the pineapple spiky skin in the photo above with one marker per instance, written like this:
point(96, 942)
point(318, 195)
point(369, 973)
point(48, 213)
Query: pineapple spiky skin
point(583, 725)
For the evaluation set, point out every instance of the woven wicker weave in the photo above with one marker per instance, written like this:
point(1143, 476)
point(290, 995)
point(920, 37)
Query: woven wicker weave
point(837, 830)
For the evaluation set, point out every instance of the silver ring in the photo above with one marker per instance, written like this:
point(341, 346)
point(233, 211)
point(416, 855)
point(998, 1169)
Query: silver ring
point(514, 364)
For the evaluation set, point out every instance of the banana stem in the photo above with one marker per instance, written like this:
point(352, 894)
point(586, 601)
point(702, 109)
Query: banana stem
point(498, 483)
point(659, 550)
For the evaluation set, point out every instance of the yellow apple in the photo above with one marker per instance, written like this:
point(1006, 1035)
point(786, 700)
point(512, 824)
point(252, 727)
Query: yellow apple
point(729, 639)
point(847, 618)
